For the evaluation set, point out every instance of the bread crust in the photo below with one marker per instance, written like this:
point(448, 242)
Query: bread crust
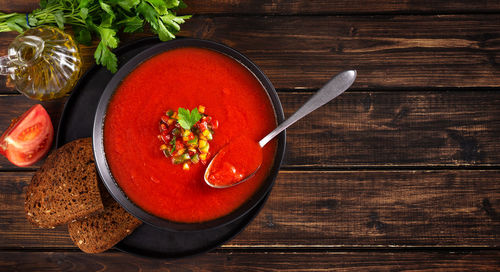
point(99, 232)
point(65, 188)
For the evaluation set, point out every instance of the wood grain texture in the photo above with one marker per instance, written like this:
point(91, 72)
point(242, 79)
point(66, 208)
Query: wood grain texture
point(308, 7)
point(389, 52)
point(371, 129)
point(322, 210)
point(391, 129)
point(7, 6)
point(258, 261)
point(338, 6)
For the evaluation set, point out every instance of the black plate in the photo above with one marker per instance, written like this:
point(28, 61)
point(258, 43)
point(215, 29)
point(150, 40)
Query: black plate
point(77, 122)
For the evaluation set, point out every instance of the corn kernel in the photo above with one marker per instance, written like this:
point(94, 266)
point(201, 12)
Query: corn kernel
point(181, 151)
point(206, 132)
point(185, 138)
point(174, 115)
point(201, 109)
point(192, 149)
point(202, 143)
point(205, 148)
point(186, 133)
point(185, 166)
point(170, 121)
point(203, 157)
point(163, 147)
point(203, 137)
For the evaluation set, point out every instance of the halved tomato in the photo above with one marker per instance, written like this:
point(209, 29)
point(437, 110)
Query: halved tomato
point(28, 137)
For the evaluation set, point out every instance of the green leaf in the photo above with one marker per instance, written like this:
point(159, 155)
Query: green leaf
point(181, 19)
point(32, 20)
point(108, 36)
point(59, 18)
point(107, 8)
point(105, 57)
point(159, 5)
point(83, 3)
point(128, 5)
point(172, 3)
point(84, 12)
point(173, 22)
point(163, 33)
point(83, 35)
point(149, 14)
point(17, 23)
point(187, 119)
point(108, 16)
point(107, 20)
point(168, 19)
point(131, 24)
point(195, 116)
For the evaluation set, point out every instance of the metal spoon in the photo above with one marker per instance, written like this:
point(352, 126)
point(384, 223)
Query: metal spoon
point(332, 89)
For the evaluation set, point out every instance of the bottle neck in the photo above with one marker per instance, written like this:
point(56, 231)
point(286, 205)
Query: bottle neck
point(5, 65)
point(24, 51)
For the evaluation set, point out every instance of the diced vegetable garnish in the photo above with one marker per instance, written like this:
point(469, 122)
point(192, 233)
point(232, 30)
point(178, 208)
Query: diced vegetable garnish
point(184, 135)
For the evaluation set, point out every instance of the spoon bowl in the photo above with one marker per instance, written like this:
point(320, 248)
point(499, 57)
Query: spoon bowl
point(207, 174)
point(227, 174)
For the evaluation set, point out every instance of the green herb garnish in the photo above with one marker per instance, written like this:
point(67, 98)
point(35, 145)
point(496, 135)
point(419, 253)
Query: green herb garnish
point(103, 18)
point(188, 119)
point(172, 143)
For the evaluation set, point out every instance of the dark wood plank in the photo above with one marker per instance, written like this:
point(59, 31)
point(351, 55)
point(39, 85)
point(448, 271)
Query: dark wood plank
point(391, 129)
point(308, 6)
point(393, 52)
point(18, 6)
point(321, 210)
point(338, 7)
point(255, 261)
point(372, 129)
point(387, 51)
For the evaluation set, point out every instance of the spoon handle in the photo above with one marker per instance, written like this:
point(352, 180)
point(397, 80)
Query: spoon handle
point(332, 89)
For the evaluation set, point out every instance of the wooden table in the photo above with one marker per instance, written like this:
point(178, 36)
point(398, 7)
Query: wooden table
point(402, 172)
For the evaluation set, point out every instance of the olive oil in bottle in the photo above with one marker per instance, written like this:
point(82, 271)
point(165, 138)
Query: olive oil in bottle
point(44, 63)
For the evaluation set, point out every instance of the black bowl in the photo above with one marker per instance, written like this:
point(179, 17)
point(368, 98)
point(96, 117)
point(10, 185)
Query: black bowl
point(100, 156)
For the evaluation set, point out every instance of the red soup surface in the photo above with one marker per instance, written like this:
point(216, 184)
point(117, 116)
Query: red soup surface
point(184, 77)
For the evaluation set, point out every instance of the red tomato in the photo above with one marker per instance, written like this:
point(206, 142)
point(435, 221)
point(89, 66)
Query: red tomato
point(28, 137)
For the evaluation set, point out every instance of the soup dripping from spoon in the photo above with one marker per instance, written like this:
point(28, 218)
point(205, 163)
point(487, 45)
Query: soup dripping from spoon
point(229, 167)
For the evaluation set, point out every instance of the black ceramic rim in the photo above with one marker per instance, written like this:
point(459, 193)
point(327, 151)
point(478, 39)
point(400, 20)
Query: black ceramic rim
point(100, 156)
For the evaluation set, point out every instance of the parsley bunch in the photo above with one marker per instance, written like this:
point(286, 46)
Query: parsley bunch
point(103, 18)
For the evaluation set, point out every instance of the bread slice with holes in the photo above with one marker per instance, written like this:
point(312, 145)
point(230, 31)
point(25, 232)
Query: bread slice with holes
point(100, 232)
point(65, 188)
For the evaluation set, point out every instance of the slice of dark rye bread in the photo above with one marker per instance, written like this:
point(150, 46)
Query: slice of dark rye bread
point(99, 232)
point(65, 188)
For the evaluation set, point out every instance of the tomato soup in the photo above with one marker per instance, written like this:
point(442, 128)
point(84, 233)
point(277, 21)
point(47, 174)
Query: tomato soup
point(184, 77)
